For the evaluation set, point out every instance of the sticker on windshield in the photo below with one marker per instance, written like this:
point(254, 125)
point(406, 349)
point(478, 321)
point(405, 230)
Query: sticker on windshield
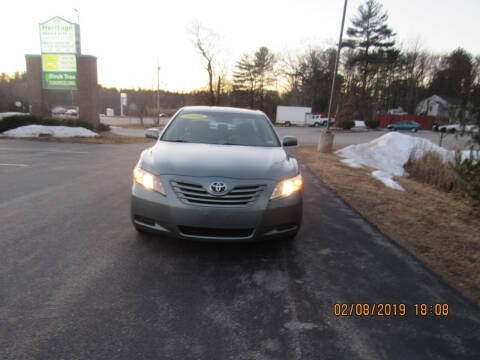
point(193, 116)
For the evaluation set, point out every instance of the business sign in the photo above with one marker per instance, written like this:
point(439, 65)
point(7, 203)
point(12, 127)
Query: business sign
point(123, 98)
point(59, 62)
point(59, 36)
point(60, 44)
point(59, 71)
point(59, 81)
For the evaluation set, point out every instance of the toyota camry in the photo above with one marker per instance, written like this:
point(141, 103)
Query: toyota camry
point(218, 174)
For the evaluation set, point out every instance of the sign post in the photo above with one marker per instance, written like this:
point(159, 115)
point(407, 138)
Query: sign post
point(123, 102)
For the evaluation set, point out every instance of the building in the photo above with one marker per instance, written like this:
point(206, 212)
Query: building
point(437, 105)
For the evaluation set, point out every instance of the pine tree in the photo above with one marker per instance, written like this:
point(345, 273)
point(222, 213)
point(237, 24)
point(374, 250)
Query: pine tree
point(371, 39)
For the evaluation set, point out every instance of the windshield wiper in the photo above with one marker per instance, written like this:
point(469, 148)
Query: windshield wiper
point(178, 140)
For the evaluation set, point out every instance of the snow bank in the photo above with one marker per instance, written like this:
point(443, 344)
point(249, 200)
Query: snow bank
point(359, 123)
point(7, 114)
point(55, 131)
point(391, 151)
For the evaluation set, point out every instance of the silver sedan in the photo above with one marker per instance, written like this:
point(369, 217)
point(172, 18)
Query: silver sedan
point(218, 174)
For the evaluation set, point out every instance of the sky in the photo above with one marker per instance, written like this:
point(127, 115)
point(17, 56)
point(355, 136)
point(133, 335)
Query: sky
point(130, 37)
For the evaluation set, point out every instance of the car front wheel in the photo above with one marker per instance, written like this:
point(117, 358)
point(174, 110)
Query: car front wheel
point(414, 130)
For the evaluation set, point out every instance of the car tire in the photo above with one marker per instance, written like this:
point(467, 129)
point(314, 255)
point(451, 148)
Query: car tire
point(317, 124)
point(452, 131)
point(287, 124)
point(414, 130)
point(443, 130)
point(139, 230)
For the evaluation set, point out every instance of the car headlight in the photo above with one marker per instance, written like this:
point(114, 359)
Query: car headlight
point(148, 180)
point(287, 187)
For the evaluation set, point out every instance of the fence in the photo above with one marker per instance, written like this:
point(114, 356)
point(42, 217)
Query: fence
point(426, 122)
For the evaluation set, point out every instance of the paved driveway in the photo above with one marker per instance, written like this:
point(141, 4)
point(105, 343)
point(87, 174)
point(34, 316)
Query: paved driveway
point(308, 136)
point(77, 282)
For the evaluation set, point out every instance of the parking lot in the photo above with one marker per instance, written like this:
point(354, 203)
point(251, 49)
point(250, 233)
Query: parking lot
point(78, 282)
point(307, 136)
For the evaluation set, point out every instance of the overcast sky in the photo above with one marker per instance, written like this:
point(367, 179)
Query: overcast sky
point(129, 36)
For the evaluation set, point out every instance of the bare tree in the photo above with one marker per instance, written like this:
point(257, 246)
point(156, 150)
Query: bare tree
point(205, 41)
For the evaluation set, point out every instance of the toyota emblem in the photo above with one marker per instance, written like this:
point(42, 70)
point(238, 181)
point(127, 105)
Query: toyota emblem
point(218, 188)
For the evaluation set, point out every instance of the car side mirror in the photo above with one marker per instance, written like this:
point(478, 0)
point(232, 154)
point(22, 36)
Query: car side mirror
point(289, 141)
point(152, 133)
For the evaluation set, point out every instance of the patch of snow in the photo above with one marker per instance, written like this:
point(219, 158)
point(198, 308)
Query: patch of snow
point(391, 151)
point(55, 131)
point(11, 113)
point(465, 154)
point(352, 163)
point(359, 123)
point(387, 179)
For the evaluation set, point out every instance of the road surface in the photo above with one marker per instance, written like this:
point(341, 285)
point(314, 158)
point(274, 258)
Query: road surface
point(77, 281)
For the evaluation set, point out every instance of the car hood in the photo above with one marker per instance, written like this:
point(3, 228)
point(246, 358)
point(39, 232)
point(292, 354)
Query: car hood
point(230, 161)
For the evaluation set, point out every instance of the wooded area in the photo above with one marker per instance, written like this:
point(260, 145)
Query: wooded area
point(375, 75)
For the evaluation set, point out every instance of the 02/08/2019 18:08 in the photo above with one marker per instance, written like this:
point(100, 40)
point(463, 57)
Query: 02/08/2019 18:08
point(388, 309)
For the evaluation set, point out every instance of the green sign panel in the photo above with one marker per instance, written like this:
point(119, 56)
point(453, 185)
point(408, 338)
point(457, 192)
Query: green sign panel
point(59, 80)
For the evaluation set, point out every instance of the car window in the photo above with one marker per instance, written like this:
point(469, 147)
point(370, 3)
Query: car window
point(223, 128)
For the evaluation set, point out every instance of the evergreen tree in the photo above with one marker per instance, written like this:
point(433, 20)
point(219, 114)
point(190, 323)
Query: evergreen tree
point(371, 39)
point(254, 75)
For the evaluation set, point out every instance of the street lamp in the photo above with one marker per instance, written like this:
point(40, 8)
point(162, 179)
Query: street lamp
point(325, 142)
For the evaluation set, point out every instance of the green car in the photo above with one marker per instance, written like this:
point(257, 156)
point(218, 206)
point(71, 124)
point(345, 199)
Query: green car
point(405, 125)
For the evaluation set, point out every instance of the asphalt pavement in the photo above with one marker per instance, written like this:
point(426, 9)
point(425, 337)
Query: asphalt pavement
point(307, 136)
point(78, 282)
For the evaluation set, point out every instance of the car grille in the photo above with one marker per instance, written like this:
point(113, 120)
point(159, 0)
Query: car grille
point(215, 233)
point(191, 193)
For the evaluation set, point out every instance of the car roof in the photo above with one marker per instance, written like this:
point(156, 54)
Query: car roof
point(220, 109)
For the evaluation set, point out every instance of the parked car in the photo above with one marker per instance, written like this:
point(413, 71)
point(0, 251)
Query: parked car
point(453, 128)
point(218, 174)
point(71, 112)
point(318, 120)
point(405, 125)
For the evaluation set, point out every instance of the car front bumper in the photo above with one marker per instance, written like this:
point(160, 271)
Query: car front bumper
point(168, 215)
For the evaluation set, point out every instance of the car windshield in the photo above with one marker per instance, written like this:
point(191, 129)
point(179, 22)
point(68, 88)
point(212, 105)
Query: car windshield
point(221, 127)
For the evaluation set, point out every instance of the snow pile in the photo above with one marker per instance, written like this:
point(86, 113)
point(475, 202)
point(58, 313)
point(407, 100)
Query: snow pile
point(389, 153)
point(7, 114)
point(55, 131)
point(359, 123)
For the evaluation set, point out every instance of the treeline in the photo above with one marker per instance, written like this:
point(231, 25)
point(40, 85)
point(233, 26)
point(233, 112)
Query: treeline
point(375, 75)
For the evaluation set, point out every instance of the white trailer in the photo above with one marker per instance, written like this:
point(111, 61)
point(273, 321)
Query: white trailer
point(292, 115)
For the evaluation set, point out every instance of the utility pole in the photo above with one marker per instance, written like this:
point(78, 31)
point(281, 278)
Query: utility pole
point(158, 94)
point(325, 142)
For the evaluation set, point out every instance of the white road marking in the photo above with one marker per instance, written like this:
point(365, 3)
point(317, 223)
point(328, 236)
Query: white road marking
point(59, 151)
point(20, 165)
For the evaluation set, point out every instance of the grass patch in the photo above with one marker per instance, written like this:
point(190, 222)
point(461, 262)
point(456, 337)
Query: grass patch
point(435, 226)
point(431, 169)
